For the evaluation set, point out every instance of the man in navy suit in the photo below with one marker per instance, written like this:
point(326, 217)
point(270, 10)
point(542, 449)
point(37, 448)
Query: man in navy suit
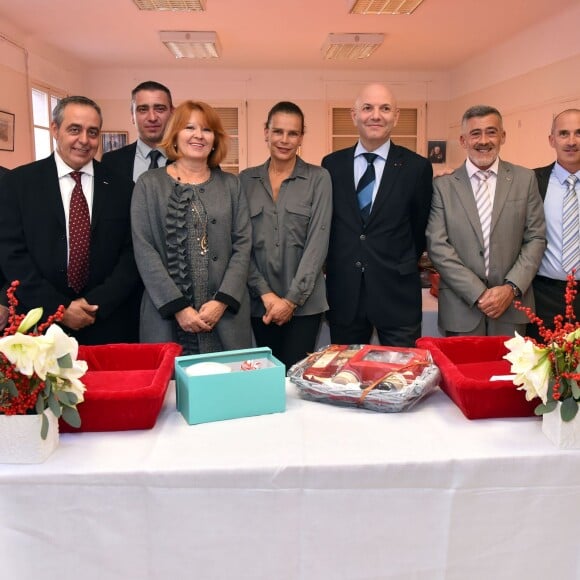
point(372, 273)
point(151, 107)
point(550, 281)
point(34, 231)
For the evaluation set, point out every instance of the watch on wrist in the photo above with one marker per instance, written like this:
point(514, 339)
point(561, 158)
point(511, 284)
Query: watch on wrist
point(517, 292)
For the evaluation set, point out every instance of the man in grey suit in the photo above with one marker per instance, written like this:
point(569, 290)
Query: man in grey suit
point(550, 281)
point(486, 234)
point(151, 107)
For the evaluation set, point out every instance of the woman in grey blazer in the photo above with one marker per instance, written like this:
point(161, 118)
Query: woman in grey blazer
point(192, 240)
point(291, 208)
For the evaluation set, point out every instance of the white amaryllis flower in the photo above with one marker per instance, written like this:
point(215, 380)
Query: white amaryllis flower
point(27, 353)
point(32, 317)
point(63, 345)
point(531, 366)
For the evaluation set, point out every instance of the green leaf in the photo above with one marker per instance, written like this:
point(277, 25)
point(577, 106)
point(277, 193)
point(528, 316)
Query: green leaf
point(63, 397)
point(40, 406)
point(541, 409)
point(65, 362)
point(54, 405)
point(568, 409)
point(71, 416)
point(47, 386)
point(73, 399)
point(575, 389)
point(44, 427)
point(11, 386)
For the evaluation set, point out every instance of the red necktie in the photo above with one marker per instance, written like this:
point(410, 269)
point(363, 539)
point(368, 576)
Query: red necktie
point(79, 235)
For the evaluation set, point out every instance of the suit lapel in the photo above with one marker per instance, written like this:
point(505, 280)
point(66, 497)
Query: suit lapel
point(345, 173)
point(502, 188)
point(100, 188)
point(466, 199)
point(51, 190)
point(391, 173)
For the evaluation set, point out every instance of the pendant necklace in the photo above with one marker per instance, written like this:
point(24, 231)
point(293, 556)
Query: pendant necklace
point(201, 239)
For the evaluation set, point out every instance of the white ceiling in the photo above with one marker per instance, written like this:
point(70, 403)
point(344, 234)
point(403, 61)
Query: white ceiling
point(440, 35)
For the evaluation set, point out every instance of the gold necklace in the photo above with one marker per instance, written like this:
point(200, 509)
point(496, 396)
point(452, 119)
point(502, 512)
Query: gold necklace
point(201, 240)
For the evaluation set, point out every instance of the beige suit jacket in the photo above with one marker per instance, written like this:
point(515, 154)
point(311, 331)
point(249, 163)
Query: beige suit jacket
point(455, 243)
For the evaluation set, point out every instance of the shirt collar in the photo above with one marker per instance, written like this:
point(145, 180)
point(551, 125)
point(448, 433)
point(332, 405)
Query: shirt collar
point(472, 169)
point(382, 151)
point(562, 174)
point(63, 169)
point(144, 149)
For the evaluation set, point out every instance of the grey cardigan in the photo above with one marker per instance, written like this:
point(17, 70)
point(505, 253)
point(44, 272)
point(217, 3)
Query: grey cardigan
point(229, 238)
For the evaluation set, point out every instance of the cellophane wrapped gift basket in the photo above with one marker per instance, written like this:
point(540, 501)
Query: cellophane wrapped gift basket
point(379, 378)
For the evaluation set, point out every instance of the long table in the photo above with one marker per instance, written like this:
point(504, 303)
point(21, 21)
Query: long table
point(318, 492)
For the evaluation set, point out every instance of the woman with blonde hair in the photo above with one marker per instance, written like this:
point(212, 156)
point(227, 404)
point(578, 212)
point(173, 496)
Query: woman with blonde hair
point(192, 240)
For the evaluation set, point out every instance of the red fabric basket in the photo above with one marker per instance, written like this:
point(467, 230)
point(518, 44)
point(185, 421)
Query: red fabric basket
point(126, 385)
point(466, 365)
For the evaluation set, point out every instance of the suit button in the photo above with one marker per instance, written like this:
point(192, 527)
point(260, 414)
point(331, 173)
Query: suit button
point(363, 237)
point(358, 264)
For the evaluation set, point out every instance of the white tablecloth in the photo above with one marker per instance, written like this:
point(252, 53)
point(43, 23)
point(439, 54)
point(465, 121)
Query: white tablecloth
point(318, 492)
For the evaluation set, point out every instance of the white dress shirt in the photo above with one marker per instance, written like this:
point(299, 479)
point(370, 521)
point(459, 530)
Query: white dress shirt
point(142, 159)
point(551, 265)
point(360, 164)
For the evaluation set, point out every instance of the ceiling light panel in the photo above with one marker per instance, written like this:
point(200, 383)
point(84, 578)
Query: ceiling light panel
point(383, 6)
point(191, 44)
point(351, 46)
point(171, 5)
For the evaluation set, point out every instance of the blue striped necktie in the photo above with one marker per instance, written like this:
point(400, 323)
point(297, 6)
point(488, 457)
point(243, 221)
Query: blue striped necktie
point(570, 227)
point(366, 184)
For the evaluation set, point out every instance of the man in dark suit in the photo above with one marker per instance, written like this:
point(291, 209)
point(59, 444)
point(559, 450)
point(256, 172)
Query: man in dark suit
point(486, 234)
point(375, 244)
point(151, 107)
point(35, 233)
point(3, 283)
point(550, 282)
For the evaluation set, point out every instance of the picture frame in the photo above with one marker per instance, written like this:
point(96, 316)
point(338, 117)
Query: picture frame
point(111, 140)
point(437, 151)
point(7, 131)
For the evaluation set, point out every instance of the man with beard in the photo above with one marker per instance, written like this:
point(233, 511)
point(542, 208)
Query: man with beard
point(556, 181)
point(486, 234)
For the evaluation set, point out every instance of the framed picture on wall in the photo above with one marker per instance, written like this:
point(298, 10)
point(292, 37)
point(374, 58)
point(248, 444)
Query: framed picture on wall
point(6, 131)
point(111, 140)
point(437, 151)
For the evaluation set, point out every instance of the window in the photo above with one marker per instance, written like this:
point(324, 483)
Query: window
point(231, 119)
point(408, 132)
point(43, 102)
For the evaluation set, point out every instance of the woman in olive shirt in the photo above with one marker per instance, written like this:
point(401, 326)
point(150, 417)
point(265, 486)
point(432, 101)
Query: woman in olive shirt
point(291, 207)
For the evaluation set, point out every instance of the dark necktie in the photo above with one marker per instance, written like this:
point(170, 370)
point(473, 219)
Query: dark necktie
point(154, 156)
point(366, 184)
point(79, 235)
point(570, 227)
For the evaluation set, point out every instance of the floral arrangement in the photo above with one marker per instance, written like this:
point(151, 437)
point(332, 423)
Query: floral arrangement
point(550, 370)
point(38, 367)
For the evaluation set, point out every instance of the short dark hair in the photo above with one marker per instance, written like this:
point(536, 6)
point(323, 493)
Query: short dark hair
point(151, 86)
point(480, 111)
point(179, 121)
point(58, 111)
point(286, 107)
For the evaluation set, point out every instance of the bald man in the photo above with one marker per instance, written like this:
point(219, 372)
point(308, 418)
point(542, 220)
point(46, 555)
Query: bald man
point(378, 232)
point(550, 282)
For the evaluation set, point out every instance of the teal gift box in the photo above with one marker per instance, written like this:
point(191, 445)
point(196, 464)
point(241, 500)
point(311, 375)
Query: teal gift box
point(239, 393)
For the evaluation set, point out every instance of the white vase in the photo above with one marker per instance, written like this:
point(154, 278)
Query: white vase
point(563, 434)
point(20, 440)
